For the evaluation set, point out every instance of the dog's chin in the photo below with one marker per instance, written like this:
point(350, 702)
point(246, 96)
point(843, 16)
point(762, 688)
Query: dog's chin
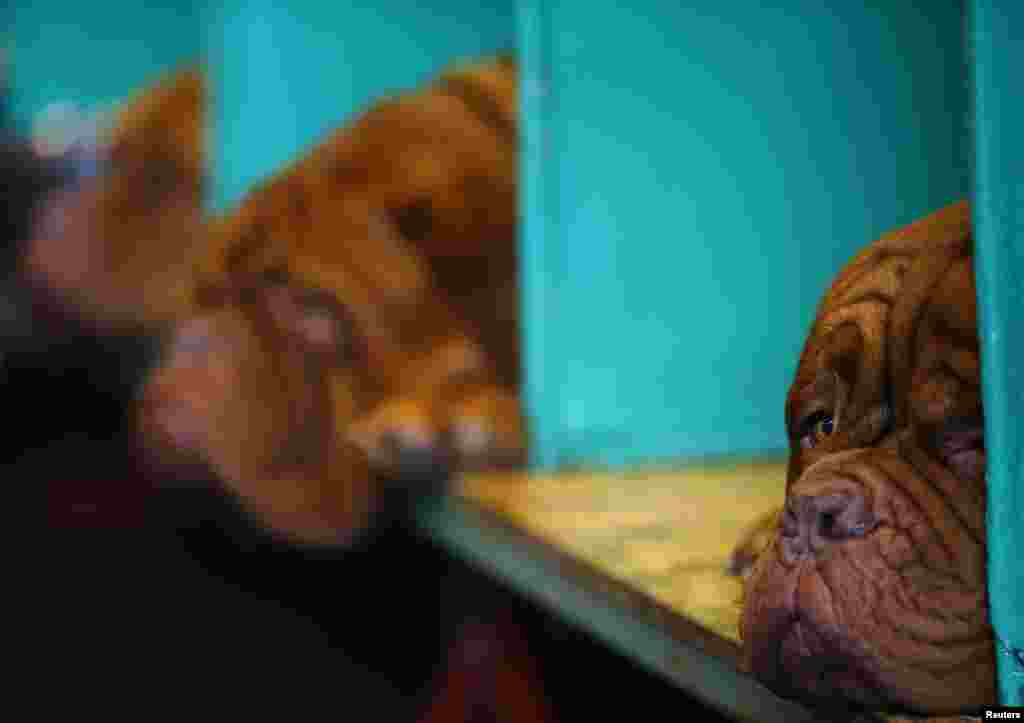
point(819, 669)
point(794, 645)
point(798, 657)
point(168, 461)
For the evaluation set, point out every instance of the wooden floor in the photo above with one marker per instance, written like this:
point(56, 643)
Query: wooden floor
point(665, 533)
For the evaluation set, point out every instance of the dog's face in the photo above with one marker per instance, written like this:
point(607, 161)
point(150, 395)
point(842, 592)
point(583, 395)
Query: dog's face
point(421, 178)
point(257, 386)
point(439, 167)
point(873, 590)
point(348, 252)
point(116, 246)
point(294, 337)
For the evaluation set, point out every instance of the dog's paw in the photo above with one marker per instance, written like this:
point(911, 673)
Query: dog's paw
point(487, 431)
point(755, 540)
point(408, 437)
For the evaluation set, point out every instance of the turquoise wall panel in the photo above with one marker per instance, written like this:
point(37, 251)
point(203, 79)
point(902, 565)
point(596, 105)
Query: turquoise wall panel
point(95, 53)
point(285, 73)
point(997, 34)
point(695, 174)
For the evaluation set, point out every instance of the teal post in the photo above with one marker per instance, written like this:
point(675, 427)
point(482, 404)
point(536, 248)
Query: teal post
point(997, 44)
point(539, 242)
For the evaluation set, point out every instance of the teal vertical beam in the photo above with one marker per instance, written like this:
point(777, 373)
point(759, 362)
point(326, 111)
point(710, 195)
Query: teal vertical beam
point(254, 117)
point(6, 23)
point(997, 52)
point(539, 233)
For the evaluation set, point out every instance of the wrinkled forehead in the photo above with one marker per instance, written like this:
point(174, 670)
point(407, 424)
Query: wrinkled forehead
point(410, 120)
point(419, 142)
point(874, 311)
point(908, 257)
point(345, 247)
point(372, 154)
point(343, 251)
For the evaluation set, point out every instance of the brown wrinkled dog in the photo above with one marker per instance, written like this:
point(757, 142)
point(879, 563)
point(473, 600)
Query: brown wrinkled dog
point(872, 590)
point(118, 245)
point(353, 316)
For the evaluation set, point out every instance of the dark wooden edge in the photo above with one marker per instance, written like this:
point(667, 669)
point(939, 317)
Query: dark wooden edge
point(661, 640)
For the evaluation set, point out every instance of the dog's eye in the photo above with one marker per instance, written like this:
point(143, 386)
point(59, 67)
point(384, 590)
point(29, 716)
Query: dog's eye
point(157, 178)
point(815, 429)
point(415, 220)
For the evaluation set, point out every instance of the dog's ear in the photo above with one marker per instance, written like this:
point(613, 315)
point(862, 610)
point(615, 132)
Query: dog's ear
point(169, 115)
point(117, 244)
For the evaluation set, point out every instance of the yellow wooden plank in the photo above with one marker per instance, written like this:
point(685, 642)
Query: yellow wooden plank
point(666, 533)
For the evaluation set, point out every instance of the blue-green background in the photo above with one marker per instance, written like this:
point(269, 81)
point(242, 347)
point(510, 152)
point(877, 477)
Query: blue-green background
point(693, 173)
point(94, 53)
point(288, 72)
point(997, 30)
point(700, 171)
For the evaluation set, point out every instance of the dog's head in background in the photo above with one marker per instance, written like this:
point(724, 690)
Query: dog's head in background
point(435, 171)
point(324, 350)
point(438, 166)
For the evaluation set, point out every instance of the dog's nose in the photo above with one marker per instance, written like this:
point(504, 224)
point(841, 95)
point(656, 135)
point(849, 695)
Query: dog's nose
point(414, 456)
point(813, 522)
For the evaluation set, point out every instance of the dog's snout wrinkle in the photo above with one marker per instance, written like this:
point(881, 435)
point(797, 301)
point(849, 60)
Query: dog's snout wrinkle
point(813, 522)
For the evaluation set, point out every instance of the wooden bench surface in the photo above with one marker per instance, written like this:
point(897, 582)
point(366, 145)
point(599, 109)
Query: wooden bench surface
point(665, 534)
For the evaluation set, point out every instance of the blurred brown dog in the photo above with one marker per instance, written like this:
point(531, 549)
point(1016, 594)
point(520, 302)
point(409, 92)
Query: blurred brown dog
point(871, 590)
point(355, 317)
point(116, 246)
point(436, 171)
